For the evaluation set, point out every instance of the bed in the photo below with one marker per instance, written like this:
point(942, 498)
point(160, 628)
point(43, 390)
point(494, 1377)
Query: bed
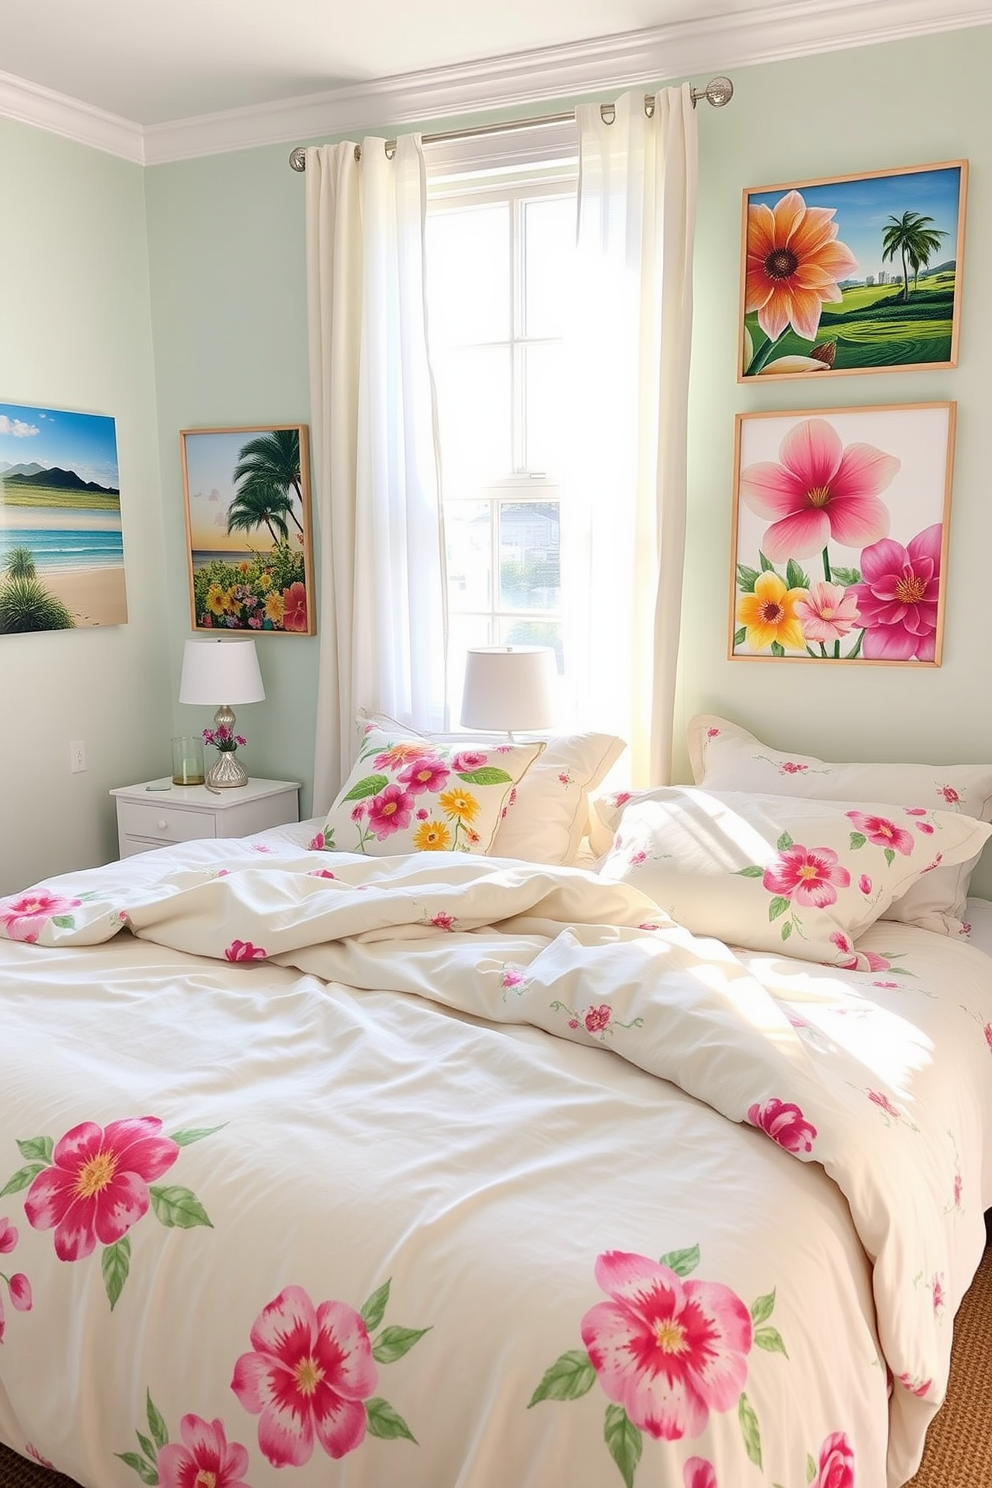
point(461, 1168)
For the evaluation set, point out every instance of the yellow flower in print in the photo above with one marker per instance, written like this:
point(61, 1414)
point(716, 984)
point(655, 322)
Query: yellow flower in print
point(459, 803)
point(274, 608)
point(265, 579)
point(216, 601)
point(432, 836)
point(769, 614)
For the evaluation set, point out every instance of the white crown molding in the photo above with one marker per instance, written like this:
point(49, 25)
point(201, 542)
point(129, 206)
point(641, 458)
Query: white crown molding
point(686, 49)
point(30, 104)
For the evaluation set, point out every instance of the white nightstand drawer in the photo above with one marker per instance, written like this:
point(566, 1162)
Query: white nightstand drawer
point(155, 822)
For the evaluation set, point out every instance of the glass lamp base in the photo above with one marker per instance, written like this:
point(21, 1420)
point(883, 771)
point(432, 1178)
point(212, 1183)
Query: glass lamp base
point(227, 771)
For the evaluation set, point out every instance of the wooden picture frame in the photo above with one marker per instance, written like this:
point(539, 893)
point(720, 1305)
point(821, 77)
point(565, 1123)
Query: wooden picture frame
point(852, 274)
point(249, 535)
point(840, 530)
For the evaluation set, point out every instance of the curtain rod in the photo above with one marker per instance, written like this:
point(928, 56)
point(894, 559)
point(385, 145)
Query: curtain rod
point(718, 91)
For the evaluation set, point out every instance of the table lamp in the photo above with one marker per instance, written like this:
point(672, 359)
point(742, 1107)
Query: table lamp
point(509, 687)
point(222, 672)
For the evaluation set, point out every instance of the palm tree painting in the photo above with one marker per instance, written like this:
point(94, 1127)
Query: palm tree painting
point(853, 274)
point(248, 527)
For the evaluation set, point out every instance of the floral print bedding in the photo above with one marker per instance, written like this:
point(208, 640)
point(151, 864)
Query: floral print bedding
point(337, 1170)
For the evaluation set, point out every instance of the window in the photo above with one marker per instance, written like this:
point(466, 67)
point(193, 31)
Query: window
point(499, 254)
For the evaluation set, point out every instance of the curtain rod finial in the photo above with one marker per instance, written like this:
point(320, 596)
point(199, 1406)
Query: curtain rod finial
point(298, 158)
point(718, 91)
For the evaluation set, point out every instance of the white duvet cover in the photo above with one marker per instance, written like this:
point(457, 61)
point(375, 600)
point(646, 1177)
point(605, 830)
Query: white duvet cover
point(448, 1172)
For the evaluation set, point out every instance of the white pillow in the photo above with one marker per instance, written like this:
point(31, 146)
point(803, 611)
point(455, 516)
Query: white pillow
point(408, 794)
point(548, 811)
point(801, 877)
point(727, 757)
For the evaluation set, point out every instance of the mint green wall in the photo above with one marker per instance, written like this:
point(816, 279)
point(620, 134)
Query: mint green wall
point(75, 333)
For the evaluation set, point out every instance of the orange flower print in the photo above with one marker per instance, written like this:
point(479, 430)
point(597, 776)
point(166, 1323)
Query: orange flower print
point(794, 265)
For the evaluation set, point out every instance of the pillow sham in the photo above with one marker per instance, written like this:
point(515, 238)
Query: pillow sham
point(801, 877)
point(407, 794)
point(549, 805)
point(725, 756)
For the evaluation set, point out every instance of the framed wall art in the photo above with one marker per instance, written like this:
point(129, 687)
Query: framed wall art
point(840, 534)
point(61, 544)
point(248, 528)
point(856, 273)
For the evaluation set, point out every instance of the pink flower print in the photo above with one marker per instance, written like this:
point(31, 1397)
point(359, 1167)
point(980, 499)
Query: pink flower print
point(988, 1034)
point(427, 774)
point(785, 1123)
point(97, 1185)
point(810, 876)
point(316, 844)
point(949, 795)
point(880, 1099)
point(698, 1473)
point(637, 858)
point(898, 596)
point(957, 1190)
point(621, 798)
point(939, 1296)
point(914, 1385)
point(358, 811)
point(309, 1372)
point(564, 778)
point(23, 917)
point(18, 1285)
point(597, 1019)
point(934, 863)
point(320, 873)
point(442, 921)
point(712, 733)
point(836, 1466)
point(30, 1450)
point(668, 1350)
point(260, 847)
point(468, 760)
point(915, 810)
point(791, 767)
point(390, 811)
point(20, 1291)
point(573, 1022)
point(965, 929)
point(204, 1459)
point(511, 977)
point(926, 828)
point(822, 492)
point(885, 984)
point(881, 832)
point(397, 756)
point(243, 950)
point(864, 884)
point(8, 1236)
point(422, 813)
point(857, 960)
point(829, 612)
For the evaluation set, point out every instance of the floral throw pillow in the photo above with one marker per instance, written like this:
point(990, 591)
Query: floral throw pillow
point(802, 877)
point(407, 794)
point(725, 756)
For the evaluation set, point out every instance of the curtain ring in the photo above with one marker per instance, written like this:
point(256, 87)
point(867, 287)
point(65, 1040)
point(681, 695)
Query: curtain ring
point(358, 154)
point(608, 112)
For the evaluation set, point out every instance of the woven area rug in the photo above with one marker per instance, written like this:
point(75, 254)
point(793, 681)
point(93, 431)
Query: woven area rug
point(958, 1452)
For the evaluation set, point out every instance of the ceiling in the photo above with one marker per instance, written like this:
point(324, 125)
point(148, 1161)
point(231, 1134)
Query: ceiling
point(152, 69)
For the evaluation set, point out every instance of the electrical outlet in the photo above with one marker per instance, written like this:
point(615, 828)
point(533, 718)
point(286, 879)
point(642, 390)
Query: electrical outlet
point(77, 755)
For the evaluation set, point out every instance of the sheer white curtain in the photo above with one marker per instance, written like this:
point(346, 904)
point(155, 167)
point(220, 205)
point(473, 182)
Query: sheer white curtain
point(381, 621)
point(623, 545)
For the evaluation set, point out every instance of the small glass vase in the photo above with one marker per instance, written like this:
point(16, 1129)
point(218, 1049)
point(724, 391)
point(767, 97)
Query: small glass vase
point(227, 770)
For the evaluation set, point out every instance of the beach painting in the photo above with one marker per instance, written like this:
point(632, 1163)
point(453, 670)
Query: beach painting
point(248, 528)
point(61, 545)
point(852, 274)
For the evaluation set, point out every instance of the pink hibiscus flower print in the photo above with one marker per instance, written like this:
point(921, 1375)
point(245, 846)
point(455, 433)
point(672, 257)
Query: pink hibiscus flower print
point(835, 1468)
point(22, 918)
point(857, 960)
point(243, 950)
point(309, 1372)
point(698, 1473)
point(827, 613)
point(808, 876)
point(881, 832)
point(427, 774)
point(667, 1349)
point(821, 492)
point(97, 1185)
point(390, 811)
point(203, 1459)
point(785, 1123)
point(898, 597)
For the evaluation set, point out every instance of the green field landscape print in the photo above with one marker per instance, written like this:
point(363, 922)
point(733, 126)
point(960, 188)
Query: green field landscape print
point(853, 274)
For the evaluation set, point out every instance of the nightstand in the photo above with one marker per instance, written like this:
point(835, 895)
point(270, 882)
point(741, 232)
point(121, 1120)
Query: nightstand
point(148, 818)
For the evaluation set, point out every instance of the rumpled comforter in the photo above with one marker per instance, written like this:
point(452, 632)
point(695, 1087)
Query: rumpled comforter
point(353, 1187)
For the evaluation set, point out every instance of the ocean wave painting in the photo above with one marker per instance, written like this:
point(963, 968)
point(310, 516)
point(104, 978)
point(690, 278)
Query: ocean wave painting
point(61, 539)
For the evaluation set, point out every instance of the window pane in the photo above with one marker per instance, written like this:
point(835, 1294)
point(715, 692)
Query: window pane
point(473, 402)
point(468, 275)
point(549, 244)
point(528, 555)
point(467, 533)
point(545, 407)
point(532, 633)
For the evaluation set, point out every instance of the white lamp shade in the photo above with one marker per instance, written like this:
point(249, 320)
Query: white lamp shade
point(509, 687)
point(216, 671)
